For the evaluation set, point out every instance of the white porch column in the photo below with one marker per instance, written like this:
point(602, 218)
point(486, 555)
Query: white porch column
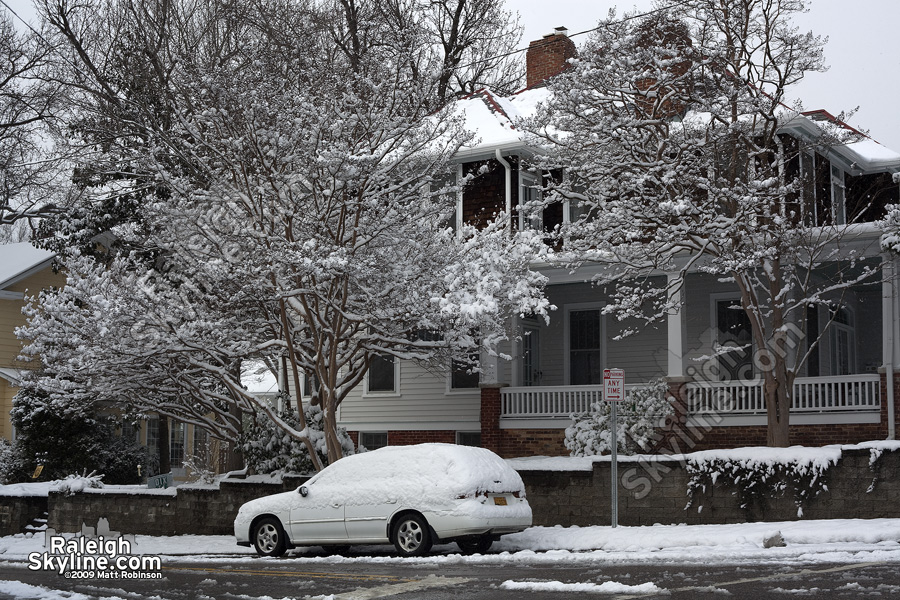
point(675, 352)
point(890, 323)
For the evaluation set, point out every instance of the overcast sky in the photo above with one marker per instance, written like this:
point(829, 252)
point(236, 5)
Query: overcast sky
point(863, 52)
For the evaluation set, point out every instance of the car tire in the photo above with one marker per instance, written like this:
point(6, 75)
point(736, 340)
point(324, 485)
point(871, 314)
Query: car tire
point(478, 545)
point(411, 536)
point(269, 538)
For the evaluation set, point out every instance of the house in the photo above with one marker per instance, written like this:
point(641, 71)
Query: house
point(846, 393)
point(24, 270)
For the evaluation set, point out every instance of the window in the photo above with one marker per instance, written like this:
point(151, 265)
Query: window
point(463, 375)
point(468, 438)
point(310, 385)
point(373, 440)
point(131, 430)
point(529, 195)
point(843, 342)
point(531, 364)
point(733, 331)
point(201, 439)
point(176, 444)
point(585, 347)
point(382, 377)
point(153, 436)
point(838, 204)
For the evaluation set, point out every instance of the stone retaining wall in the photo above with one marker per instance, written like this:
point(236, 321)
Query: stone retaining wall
point(654, 491)
point(16, 512)
point(657, 492)
point(176, 511)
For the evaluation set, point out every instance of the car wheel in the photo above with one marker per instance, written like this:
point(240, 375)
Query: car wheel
point(269, 538)
point(478, 545)
point(411, 537)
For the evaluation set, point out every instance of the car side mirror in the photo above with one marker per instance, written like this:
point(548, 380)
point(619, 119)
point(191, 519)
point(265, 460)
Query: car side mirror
point(304, 491)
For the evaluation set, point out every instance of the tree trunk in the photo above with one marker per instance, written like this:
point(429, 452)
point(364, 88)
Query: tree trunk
point(778, 406)
point(234, 460)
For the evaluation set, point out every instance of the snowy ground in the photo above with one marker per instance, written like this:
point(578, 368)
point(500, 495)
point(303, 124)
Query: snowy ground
point(817, 541)
point(807, 542)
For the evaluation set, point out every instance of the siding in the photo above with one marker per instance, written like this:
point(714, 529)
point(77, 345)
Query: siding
point(642, 355)
point(11, 312)
point(423, 403)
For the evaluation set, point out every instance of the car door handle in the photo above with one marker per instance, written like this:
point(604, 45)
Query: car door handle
point(335, 506)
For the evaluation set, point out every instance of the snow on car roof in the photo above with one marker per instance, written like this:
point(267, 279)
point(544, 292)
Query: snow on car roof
point(416, 474)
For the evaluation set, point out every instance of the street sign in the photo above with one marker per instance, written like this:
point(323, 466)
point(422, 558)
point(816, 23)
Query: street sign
point(613, 385)
point(614, 392)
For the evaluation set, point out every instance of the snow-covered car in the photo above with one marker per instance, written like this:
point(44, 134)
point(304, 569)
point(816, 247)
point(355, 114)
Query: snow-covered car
point(410, 496)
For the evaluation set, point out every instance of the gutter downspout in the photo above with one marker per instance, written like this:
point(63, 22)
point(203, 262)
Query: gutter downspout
point(508, 168)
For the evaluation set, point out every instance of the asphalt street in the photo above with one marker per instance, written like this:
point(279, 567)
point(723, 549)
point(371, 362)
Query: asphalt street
point(401, 580)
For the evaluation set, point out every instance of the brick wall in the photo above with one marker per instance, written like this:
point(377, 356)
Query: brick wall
point(408, 438)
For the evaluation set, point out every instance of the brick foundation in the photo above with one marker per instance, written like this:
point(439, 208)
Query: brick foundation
point(491, 435)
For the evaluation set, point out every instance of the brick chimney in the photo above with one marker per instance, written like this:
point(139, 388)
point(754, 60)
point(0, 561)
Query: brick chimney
point(547, 57)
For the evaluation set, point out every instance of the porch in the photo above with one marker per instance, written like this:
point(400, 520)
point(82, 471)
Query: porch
point(830, 399)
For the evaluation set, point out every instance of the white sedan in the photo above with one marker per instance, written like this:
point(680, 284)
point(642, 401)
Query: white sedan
point(411, 496)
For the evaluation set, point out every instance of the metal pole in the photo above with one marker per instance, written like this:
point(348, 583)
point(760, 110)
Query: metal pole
point(613, 467)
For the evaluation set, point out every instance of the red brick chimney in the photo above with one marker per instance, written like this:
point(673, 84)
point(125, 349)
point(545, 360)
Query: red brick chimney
point(547, 57)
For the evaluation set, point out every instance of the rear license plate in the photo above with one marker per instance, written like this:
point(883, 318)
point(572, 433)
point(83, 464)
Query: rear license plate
point(499, 500)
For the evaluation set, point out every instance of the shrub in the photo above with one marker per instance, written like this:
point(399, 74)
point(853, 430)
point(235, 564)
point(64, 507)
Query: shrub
point(643, 409)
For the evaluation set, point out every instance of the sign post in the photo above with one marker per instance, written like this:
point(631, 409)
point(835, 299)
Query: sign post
point(614, 392)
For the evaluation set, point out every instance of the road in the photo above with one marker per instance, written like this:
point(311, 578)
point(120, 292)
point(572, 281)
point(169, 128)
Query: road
point(386, 577)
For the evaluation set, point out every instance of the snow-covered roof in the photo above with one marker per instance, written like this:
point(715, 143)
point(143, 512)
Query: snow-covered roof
point(11, 375)
point(492, 119)
point(18, 261)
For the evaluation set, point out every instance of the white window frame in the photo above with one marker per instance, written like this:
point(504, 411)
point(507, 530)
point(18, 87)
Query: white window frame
point(714, 300)
point(838, 194)
point(453, 391)
point(387, 393)
point(567, 349)
point(533, 331)
point(529, 181)
point(387, 438)
point(850, 329)
point(458, 434)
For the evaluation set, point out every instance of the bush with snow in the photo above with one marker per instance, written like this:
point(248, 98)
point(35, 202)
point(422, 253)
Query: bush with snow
point(70, 437)
point(757, 474)
point(268, 448)
point(642, 411)
point(75, 484)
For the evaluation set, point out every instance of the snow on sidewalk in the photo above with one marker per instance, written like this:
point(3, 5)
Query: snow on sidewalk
point(845, 540)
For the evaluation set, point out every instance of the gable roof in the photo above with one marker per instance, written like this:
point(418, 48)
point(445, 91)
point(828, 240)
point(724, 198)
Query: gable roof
point(18, 261)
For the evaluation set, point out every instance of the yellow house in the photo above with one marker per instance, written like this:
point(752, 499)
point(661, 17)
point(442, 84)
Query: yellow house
point(24, 270)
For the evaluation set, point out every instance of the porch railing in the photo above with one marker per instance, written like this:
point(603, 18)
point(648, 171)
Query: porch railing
point(549, 402)
point(841, 393)
point(844, 393)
